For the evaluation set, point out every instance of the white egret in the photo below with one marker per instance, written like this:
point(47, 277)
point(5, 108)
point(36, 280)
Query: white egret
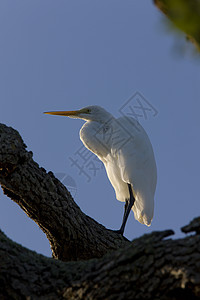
point(126, 151)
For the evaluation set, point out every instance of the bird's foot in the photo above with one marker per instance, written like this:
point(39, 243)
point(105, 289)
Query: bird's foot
point(119, 231)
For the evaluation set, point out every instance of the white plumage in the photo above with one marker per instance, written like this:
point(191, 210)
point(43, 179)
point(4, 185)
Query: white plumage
point(126, 151)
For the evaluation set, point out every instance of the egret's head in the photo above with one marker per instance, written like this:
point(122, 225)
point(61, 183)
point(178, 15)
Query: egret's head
point(89, 113)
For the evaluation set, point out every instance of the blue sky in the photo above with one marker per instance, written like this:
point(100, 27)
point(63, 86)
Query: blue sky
point(64, 55)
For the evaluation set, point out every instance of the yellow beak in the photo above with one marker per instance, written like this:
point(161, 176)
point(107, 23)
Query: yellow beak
point(63, 113)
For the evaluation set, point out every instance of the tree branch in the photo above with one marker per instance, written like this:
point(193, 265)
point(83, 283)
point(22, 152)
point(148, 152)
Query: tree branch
point(72, 234)
point(151, 267)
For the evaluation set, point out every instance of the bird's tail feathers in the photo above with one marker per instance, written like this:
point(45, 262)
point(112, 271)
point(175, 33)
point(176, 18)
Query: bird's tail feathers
point(142, 213)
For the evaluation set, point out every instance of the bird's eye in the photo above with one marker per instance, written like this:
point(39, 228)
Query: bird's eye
point(88, 110)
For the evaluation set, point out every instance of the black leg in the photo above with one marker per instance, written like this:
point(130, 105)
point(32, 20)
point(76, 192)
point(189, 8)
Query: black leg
point(127, 208)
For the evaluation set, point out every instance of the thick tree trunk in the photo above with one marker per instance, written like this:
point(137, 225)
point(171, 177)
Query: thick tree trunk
point(105, 266)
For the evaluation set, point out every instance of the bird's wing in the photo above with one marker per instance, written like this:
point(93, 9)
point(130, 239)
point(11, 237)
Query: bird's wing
point(135, 159)
point(126, 151)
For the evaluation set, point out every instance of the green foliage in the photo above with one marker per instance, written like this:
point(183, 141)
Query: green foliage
point(185, 15)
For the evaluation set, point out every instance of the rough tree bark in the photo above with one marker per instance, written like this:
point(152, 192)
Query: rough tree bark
point(72, 234)
point(105, 265)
